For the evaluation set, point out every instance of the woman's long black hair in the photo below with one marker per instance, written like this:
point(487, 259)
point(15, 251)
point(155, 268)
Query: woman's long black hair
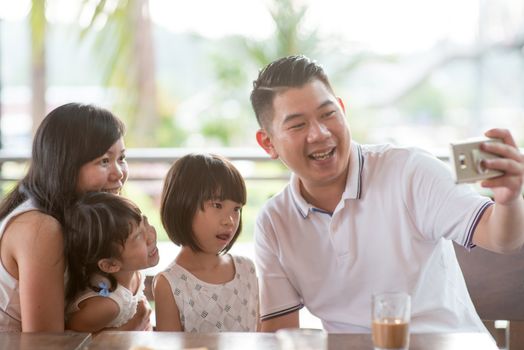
point(70, 136)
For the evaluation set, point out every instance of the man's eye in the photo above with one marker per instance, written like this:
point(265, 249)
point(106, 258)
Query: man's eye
point(296, 126)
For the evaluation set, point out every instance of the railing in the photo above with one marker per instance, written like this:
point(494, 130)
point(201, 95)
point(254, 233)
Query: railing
point(148, 166)
point(167, 156)
point(164, 156)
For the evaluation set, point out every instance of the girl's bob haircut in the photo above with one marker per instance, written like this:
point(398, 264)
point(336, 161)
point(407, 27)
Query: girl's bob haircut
point(191, 181)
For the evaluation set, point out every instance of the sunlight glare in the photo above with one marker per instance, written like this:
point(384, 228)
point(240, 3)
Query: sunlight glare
point(400, 26)
point(214, 19)
point(14, 10)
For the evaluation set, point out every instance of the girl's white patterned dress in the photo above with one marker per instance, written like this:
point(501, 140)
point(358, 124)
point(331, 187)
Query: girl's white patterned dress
point(206, 307)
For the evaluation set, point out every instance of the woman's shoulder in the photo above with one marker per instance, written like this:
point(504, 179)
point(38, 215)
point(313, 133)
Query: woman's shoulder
point(27, 214)
point(35, 224)
point(33, 228)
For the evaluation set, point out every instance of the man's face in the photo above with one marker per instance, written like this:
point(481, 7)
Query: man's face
point(309, 134)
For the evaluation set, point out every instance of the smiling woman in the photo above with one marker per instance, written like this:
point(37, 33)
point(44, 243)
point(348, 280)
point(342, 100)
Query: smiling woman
point(32, 214)
point(106, 173)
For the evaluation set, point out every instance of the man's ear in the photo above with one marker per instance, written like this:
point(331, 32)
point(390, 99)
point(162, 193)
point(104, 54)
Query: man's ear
point(109, 265)
point(341, 103)
point(264, 140)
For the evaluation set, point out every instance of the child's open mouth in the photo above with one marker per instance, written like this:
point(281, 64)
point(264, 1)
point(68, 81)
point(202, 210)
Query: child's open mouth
point(223, 237)
point(153, 252)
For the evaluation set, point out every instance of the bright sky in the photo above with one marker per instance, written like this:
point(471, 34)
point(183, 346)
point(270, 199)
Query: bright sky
point(383, 25)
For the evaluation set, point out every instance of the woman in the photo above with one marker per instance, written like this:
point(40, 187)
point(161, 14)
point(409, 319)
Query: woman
point(77, 148)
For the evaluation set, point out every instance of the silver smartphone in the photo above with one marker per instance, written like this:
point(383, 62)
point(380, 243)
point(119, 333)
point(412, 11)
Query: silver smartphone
point(466, 158)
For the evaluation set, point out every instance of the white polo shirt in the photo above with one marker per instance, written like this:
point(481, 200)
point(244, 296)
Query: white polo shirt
point(391, 231)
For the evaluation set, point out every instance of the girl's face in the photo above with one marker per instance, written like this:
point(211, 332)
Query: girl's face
point(140, 250)
point(215, 226)
point(107, 173)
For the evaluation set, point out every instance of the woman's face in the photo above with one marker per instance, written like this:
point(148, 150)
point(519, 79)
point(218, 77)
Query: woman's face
point(107, 173)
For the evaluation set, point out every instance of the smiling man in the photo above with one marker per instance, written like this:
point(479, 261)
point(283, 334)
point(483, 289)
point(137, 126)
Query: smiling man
point(362, 219)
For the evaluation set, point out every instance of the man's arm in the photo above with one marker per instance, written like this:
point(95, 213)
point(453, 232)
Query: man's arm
point(289, 320)
point(501, 228)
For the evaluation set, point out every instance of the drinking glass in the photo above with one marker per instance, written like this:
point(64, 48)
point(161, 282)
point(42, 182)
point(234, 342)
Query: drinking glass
point(390, 318)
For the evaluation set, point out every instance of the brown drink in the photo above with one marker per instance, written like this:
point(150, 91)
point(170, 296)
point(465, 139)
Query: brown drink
point(390, 334)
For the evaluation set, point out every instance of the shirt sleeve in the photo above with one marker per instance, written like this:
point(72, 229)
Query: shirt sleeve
point(277, 295)
point(439, 207)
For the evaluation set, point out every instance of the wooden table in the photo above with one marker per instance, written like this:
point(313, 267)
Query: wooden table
point(267, 341)
point(44, 341)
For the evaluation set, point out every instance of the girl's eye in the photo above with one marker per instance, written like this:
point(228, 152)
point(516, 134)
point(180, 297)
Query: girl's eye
point(237, 209)
point(104, 161)
point(216, 205)
point(122, 158)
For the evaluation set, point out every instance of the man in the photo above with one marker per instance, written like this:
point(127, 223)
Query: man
point(362, 219)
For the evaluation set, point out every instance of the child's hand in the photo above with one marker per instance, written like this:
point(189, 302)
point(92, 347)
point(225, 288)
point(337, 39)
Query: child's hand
point(143, 312)
point(140, 321)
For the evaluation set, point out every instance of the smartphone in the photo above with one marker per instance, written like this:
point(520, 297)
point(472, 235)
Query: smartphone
point(466, 158)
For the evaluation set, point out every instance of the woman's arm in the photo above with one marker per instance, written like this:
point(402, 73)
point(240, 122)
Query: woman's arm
point(36, 242)
point(166, 310)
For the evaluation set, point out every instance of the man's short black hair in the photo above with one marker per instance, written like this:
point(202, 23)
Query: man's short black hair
point(279, 75)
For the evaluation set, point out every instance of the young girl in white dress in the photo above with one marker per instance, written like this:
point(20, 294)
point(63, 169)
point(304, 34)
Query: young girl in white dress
point(108, 241)
point(205, 289)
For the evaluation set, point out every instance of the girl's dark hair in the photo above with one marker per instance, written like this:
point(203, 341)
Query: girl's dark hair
point(69, 137)
point(191, 181)
point(95, 227)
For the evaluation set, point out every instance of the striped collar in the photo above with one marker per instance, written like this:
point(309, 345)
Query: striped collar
point(353, 183)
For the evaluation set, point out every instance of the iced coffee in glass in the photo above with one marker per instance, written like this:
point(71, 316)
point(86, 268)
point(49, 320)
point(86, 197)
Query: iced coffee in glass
point(390, 321)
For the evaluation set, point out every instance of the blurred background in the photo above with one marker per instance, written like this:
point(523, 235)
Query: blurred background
point(179, 73)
